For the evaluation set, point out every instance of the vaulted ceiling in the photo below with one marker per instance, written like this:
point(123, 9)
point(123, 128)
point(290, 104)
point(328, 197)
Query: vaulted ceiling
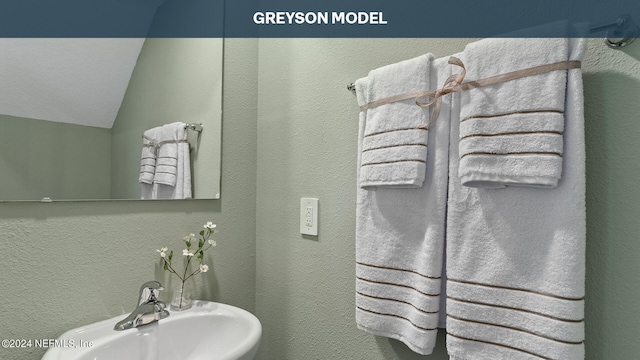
point(78, 81)
point(73, 80)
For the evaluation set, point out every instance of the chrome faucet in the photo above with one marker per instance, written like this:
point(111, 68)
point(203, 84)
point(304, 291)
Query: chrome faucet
point(148, 310)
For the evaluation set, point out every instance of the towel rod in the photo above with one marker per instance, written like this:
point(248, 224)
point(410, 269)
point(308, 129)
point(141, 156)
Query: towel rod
point(194, 127)
point(352, 87)
point(623, 27)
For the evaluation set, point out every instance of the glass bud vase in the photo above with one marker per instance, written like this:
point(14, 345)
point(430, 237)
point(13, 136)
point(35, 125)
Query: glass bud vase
point(181, 296)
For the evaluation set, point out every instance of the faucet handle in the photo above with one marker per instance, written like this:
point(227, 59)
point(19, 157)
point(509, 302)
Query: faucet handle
point(149, 292)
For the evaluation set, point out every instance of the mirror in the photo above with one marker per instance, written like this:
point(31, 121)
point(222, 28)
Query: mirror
point(73, 112)
point(175, 80)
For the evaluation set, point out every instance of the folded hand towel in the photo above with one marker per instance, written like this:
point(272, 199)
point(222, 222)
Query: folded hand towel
point(394, 146)
point(511, 133)
point(167, 164)
point(516, 257)
point(400, 239)
point(173, 171)
point(148, 157)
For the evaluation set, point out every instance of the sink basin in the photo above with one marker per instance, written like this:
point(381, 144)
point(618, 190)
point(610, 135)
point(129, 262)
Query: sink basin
point(207, 331)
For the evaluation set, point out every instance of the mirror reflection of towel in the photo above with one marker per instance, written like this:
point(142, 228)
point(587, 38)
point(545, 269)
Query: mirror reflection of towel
point(148, 157)
point(172, 179)
point(167, 163)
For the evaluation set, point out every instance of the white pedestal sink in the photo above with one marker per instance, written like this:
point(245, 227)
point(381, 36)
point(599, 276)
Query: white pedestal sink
point(207, 331)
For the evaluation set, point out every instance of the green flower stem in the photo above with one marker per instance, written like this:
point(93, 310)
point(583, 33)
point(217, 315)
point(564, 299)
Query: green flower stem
point(193, 273)
point(186, 267)
point(171, 270)
point(181, 295)
point(184, 279)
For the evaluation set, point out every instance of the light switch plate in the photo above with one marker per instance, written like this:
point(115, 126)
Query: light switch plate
point(309, 216)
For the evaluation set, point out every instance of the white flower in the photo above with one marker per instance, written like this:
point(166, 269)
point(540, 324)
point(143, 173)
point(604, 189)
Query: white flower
point(163, 251)
point(209, 225)
point(190, 237)
point(212, 242)
point(204, 268)
point(186, 252)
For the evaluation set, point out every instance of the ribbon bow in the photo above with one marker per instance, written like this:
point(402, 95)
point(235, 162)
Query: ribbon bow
point(153, 143)
point(452, 84)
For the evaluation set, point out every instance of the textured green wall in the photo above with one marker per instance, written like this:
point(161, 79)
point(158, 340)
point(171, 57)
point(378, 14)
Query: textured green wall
point(67, 264)
point(612, 112)
point(49, 159)
point(307, 133)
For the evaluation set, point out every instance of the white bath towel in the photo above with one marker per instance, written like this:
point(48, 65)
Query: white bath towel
point(173, 170)
point(394, 146)
point(511, 133)
point(172, 137)
point(148, 156)
point(399, 243)
point(516, 257)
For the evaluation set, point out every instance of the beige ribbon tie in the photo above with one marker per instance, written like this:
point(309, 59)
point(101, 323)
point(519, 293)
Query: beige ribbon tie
point(451, 84)
point(454, 83)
